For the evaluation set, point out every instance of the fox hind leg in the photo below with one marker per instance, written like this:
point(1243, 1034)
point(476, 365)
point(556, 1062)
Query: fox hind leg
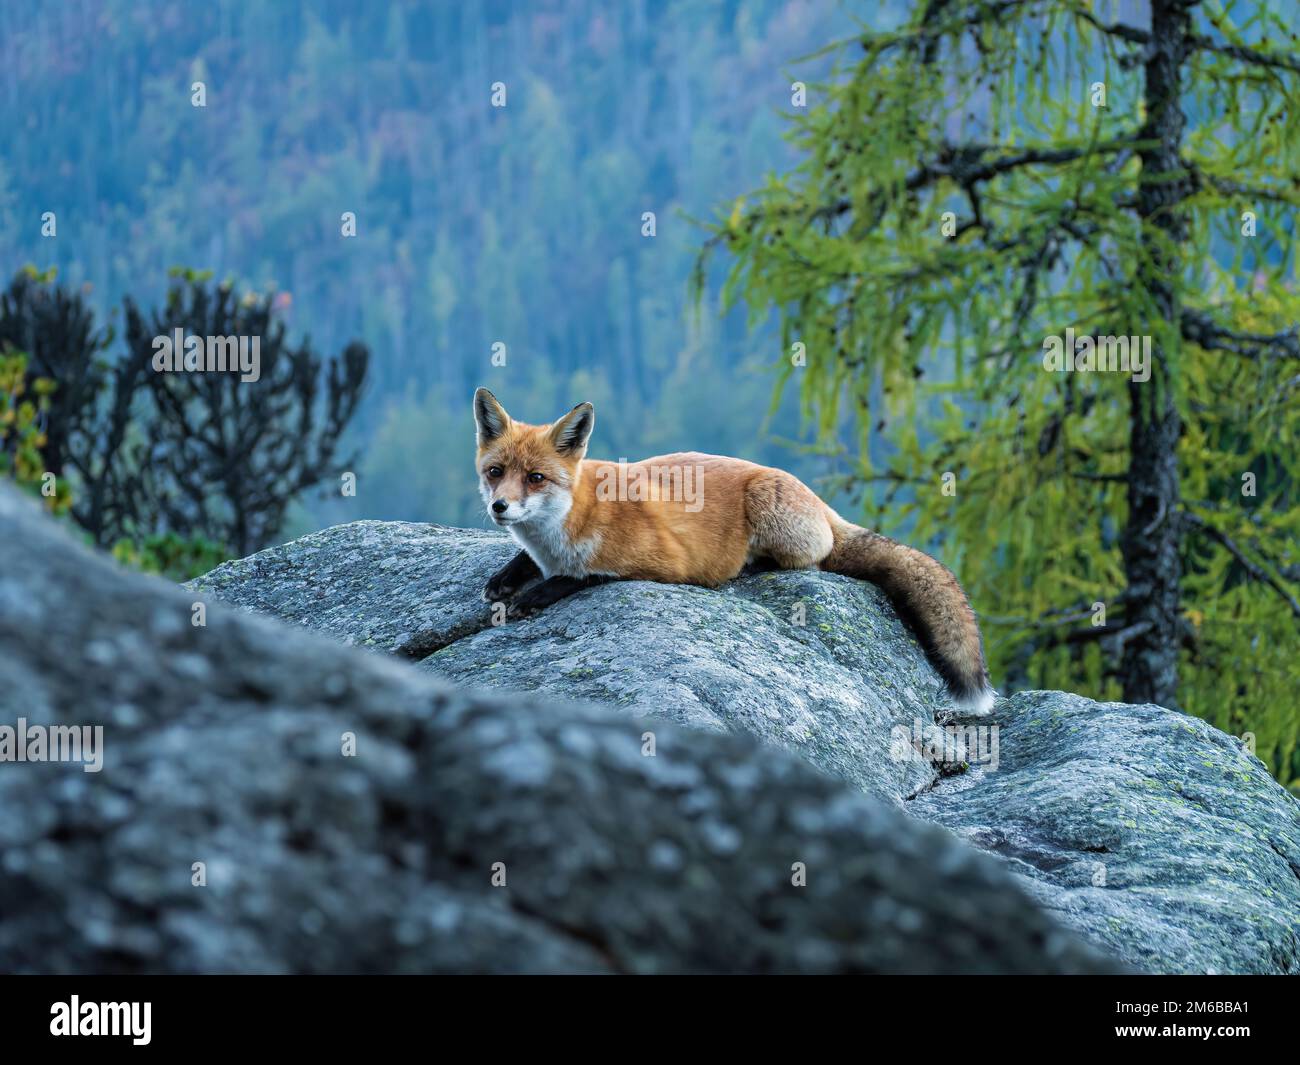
point(791, 526)
point(788, 524)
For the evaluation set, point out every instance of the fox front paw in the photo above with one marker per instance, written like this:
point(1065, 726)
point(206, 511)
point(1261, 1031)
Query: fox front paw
point(523, 607)
point(497, 590)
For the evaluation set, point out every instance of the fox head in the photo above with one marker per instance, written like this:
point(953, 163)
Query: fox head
point(527, 472)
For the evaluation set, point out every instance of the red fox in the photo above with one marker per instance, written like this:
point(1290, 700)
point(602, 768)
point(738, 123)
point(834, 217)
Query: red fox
point(693, 519)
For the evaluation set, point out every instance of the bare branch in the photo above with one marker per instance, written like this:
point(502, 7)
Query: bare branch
point(1200, 328)
point(966, 165)
point(1271, 60)
point(1113, 29)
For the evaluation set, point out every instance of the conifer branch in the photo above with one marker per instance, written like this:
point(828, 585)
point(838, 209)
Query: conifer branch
point(1255, 571)
point(1228, 187)
point(965, 165)
point(1199, 328)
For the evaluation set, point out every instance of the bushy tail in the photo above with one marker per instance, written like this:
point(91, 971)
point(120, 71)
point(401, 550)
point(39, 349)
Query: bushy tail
point(928, 598)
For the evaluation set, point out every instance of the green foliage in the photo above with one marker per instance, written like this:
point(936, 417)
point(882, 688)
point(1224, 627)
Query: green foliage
point(172, 556)
point(21, 440)
point(21, 435)
point(413, 460)
point(55, 327)
point(930, 330)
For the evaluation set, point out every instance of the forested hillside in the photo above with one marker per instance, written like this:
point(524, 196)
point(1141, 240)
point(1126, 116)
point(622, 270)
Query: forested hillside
point(440, 195)
point(476, 225)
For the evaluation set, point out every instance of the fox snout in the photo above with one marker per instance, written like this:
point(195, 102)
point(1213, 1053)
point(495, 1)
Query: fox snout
point(505, 511)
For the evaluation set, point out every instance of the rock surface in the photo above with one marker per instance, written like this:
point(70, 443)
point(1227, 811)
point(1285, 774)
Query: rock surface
point(224, 745)
point(1154, 835)
point(739, 660)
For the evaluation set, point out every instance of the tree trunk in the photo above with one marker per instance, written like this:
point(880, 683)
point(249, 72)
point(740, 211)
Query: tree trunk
point(1151, 538)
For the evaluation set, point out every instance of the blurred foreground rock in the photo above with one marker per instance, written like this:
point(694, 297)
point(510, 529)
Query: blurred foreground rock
point(222, 746)
point(1152, 834)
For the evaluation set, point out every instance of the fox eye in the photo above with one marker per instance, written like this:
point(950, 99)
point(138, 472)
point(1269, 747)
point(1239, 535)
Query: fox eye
point(535, 478)
point(495, 471)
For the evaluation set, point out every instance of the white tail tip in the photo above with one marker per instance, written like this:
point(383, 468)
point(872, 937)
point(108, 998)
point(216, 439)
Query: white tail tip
point(978, 704)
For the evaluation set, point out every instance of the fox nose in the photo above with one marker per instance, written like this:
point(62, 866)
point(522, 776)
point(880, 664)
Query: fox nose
point(499, 506)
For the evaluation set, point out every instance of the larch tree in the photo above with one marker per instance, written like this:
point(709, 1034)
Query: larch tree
point(1042, 258)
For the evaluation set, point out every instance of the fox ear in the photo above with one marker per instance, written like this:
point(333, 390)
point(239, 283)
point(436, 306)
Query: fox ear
point(569, 435)
point(490, 417)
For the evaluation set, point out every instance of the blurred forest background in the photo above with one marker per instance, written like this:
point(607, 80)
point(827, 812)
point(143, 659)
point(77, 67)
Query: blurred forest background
point(476, 225)
point(126, 211)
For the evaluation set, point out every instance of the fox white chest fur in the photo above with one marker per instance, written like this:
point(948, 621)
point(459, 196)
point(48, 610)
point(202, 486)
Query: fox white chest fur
point(544, 537)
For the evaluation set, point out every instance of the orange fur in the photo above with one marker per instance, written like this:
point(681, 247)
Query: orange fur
point(587, 517)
